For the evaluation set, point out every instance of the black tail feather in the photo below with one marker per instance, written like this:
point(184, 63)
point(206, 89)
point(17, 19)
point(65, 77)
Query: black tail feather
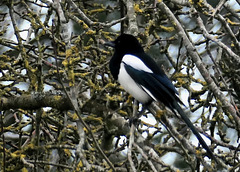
point(194, 130)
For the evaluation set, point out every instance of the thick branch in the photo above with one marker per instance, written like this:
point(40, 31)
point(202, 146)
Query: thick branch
point(35, 101)
point(132, 19)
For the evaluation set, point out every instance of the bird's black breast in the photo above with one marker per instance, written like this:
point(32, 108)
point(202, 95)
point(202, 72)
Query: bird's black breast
point(114, 65)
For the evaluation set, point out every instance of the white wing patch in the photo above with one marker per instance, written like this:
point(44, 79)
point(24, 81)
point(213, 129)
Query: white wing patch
point(149, 93)
point(131, 86)
point(135, 62)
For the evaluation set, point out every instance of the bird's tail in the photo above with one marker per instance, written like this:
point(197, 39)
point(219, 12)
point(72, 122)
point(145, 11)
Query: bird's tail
point(194, 130)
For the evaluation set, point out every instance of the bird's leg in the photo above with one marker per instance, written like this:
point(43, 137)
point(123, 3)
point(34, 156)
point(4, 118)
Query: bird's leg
point(141, 112)
point(135, 119)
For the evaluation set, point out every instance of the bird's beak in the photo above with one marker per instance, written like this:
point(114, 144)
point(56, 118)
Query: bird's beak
point(110, 44)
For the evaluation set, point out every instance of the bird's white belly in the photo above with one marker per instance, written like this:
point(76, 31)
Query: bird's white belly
point(131, 87)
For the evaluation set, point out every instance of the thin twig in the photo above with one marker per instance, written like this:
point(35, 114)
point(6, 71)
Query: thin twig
point(3, 142)
point(218, 7)
point(49, 163)
point(145, 157)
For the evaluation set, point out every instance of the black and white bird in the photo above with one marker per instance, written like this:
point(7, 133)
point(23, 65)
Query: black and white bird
point(141, 77)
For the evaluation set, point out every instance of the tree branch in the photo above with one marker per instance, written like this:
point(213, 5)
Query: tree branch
point(35, 101)
point(132, 27)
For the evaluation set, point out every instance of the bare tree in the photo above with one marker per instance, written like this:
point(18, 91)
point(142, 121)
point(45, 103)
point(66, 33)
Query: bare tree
point(61, 110)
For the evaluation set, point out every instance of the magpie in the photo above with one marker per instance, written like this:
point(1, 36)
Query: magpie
point(141, 77)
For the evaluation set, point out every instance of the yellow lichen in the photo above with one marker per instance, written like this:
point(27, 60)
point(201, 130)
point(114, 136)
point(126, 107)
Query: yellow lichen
point(91, 32)
point(198, 152)
point(122, 112)
point(68, 52)
point(97, 119)
point(111, 85)
point(5, 57)
point(79, 165)
point(114, 98)
point(74, 116)
point(17, 154)
point(137, 8)
point(57, 98)
point(200, 3)
point(24, 169)
point(160, 113)
point(96, 11)
point(85, 26)
point(106, 35)
point(232, 23)
point(129, 100)
point(149, 26)
point(67, 152)
point(93, 85)
point(87, 47)
point(168, 29)
point(82, 75)
point(71, 77)
point(65, 62)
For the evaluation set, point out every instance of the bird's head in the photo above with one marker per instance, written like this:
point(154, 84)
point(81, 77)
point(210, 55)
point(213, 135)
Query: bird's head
point(125, 44)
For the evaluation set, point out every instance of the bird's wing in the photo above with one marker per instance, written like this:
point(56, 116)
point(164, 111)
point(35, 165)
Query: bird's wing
point(158, 87)
point(135, 62)
point(152, 65)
